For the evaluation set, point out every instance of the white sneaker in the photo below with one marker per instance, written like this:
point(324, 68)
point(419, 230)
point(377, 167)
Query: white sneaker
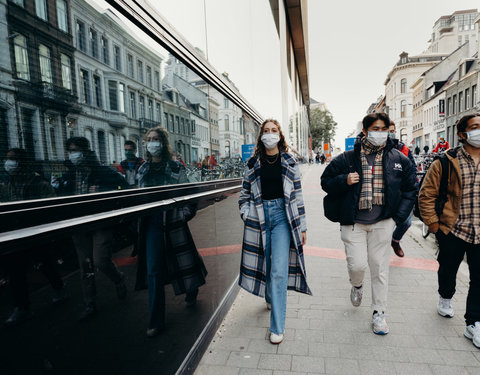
point(276, 339)
point(472, 332)
point(269, 305)
point(445, 308)
point(379, 324)
point(356, 296)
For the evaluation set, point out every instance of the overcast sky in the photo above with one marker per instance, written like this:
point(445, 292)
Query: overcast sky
point(352, 46)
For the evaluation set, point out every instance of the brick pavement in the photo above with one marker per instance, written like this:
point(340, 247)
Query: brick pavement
point(326, 334)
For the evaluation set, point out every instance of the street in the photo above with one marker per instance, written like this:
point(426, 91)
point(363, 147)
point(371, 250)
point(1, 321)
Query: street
point(326, 334)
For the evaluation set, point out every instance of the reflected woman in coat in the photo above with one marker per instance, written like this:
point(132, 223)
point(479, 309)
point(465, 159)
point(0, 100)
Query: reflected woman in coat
point(271, 206)
point(165, 241)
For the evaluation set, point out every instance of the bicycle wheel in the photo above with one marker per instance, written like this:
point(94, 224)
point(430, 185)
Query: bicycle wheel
point(425, 231)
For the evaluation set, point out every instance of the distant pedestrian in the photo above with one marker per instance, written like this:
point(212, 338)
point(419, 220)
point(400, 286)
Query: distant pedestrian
point(457, 225)
point(425, 149)
point(271, 206)
point(417, 150)
point(442, 145)
point(373, 187)
point(402, 227)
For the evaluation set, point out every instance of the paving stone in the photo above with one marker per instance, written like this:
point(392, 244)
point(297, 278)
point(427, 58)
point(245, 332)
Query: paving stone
point(275, 361)
point(308, 364)
point(341, 366)
point(243, 359)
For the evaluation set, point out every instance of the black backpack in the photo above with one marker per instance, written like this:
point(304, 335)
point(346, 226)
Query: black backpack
point(442, 191)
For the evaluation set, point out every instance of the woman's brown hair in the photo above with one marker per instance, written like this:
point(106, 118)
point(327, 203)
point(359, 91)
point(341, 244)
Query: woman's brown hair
point(167, 154)
point(260, 147)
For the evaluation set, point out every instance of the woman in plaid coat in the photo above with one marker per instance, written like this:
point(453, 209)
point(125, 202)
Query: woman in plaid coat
point(271, 206)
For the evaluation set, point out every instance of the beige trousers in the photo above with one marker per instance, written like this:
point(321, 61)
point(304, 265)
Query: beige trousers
point(369, 245)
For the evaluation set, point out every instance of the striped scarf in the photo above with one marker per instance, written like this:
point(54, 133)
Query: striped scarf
point(372, 181)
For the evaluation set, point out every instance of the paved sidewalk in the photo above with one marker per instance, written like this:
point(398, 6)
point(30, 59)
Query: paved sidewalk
point(326, 334)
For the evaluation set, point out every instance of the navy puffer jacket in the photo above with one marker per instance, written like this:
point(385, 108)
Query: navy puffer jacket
point(399, 177)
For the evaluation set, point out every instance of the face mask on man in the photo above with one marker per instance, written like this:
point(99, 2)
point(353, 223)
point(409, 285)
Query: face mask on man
point(155, 148)
point(270, 140)
point(129, 154)
point(11, 166)
point(377, 138)
point(473, 138)
point(75, 157)
point(392, 135)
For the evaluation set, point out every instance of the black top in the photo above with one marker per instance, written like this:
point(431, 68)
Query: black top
point(271, 177)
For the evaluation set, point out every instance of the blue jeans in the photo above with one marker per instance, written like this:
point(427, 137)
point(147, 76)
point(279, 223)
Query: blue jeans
point(277, 250)
point(402, 228)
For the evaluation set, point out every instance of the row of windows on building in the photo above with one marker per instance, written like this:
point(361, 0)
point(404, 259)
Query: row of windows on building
point(462, 101)
point(42, 11)
point(147, 75)
point(22, 66)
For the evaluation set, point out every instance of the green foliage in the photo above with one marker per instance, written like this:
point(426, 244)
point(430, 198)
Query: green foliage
point(322, 127)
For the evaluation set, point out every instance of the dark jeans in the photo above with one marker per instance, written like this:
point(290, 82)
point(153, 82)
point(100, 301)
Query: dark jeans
point(18, 274)
point(451, 253)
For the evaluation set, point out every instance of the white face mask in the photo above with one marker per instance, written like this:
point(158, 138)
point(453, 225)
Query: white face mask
point(75, 157)
point(473, 138)
point(270, 140)
point(11, 166)
point(154, 148)
point(377, 138)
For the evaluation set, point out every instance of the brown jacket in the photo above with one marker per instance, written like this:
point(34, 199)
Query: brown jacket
point(429, 192)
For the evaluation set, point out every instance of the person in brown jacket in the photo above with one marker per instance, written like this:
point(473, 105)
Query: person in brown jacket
point(457, 227)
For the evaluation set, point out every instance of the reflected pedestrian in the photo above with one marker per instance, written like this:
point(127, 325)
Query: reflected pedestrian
point(272, 208)
point(24, 184)
point(457, 224)
point(94, 248)
point(374, 185)
point(129, 166)
point(166, 246)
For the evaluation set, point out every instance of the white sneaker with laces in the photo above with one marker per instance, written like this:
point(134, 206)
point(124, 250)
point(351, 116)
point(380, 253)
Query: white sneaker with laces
point(379, 324)
point(356, 296)
point(445, 308)
point(472, 332)
point(276, 339)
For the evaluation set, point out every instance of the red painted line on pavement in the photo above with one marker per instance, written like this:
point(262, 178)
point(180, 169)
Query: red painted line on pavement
point(208, 251)
point(406, 262)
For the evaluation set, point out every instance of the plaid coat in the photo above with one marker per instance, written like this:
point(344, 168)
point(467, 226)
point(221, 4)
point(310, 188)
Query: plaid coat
point(253, 266)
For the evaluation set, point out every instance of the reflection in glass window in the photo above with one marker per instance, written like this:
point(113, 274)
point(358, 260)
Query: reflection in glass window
point(142, 106)
point(227, 122)
point(157, 80)
point(66, 72)
point(150, 109)
point(130, 66)
point(467, 99)
point(121, 97)
point(112, 93)
point(97, 91)
point(116, 57)
point(165, 120)
point(62, 16)
point(41, 9)
point(140, 71)
point(149, 77)
point(53, 142)
point(172, 124)
point(474, 95)
point(81, 45)
point(403, 86)
point(93, 43)
point(45, 64)
point(133, 106)
point(403, 108)
point(111, 147)
point(105, 52)
point(182, 126)
point(177, 124)
point(157, 112)
point(21, 57)
point(225, 103)
point(84, 87)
